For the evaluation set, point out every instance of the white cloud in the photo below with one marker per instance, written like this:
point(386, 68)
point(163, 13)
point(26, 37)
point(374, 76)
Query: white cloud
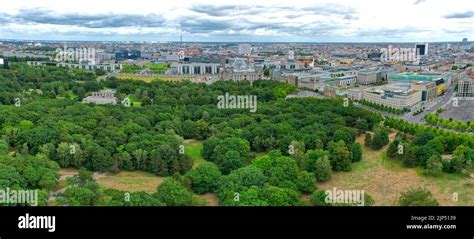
point(255, 20)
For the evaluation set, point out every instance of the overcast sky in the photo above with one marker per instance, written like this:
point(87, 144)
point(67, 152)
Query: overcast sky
point(238, 20)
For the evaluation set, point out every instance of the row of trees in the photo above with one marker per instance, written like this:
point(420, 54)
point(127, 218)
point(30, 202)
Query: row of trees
point(382, 107)
point(435, 120)
point(450, 139)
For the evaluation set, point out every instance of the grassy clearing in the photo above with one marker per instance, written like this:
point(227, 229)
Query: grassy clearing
point(193, 148)
point(385, 179)
point(134, 101)
point(131, 181)
point(67, 172)
point(209, 198)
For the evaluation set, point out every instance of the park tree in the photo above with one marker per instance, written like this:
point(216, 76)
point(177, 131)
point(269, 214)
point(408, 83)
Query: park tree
point(297, 152)
point(380, 138)
point(423, 137)
point(318, 198)
point(305, 182)
point(424, 153)
point(368, 140)
point(3, 146)
point(280, 170)
point(239, 181)
point(392, 150)
point(322, 170)
point(172, 193)
point(276, 196)
point(356, 150)
point(231, 153)
point(229, 161)
point(339, 156)
point(462, 161)
point(312, 156)
point(410, 155)
point(77, 196)
point(204, 178)
point(436, 144)
point(345, 134)
point(99, 158)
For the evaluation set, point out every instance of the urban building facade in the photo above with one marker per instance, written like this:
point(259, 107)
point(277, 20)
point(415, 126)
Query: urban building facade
point(398, 96)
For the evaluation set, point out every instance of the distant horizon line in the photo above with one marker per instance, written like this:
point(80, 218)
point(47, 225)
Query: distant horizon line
point(231, 42)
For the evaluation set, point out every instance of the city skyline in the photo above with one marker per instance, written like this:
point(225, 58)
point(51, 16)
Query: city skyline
point(250, 21)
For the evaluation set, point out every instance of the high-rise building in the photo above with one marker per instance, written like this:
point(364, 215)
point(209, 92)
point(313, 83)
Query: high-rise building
point(422, 49)
point(464, 42)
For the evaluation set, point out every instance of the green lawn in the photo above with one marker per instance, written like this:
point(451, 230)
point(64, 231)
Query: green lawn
point(157, 68)
point(134, 101)
point(193, 148)
point(131, 69)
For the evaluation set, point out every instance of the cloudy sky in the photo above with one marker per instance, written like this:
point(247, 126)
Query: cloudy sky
point(239, 20)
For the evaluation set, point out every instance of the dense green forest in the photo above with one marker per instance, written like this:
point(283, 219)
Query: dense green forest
point(44, 127)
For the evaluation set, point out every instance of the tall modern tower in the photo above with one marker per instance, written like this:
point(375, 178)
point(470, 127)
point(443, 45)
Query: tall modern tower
point(422, 49)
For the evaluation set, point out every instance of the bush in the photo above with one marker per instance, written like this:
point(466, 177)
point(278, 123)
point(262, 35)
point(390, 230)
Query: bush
point(380, 138)
point(434, 165)
point(305, 182)
point(322, 171)
point(318, 198)
point(417, 197)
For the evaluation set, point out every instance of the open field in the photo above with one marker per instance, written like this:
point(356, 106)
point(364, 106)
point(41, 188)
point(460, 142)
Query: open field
point(385, 179)
point(131, 181)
